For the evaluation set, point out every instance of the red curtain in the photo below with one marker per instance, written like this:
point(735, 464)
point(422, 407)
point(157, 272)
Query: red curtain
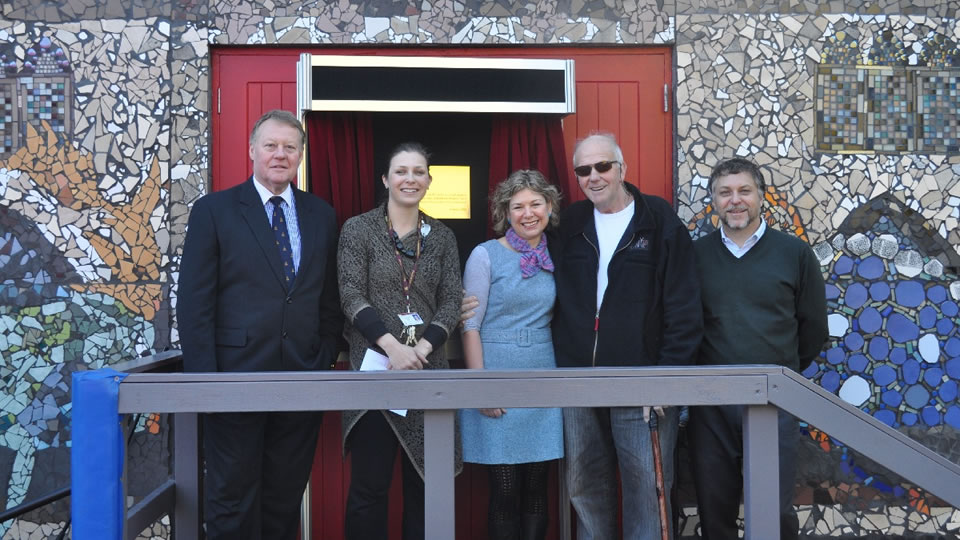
point(341, 161)
point(530, 141)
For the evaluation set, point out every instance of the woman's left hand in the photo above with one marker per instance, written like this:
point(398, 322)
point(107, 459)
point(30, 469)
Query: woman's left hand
point(423, 348)
point(493, 413)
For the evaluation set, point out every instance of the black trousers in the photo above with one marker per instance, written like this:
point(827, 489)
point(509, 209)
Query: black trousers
point(257, 466)
point(373, 450)
point(716, 441)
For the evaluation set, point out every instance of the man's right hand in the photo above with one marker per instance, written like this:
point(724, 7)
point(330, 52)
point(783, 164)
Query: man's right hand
point(646, 412)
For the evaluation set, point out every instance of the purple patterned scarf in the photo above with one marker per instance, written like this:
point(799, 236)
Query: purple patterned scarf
point(532, 260)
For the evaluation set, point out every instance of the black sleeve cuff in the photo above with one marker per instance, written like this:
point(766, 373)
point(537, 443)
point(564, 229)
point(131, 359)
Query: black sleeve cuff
point(435, 335)
point(369, 324)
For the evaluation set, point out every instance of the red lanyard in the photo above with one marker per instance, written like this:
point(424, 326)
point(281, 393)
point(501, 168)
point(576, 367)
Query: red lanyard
point(406, 282)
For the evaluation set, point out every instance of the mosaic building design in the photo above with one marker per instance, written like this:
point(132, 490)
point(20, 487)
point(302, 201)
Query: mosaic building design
point(104, 146)
point(889, 108)
point(888, 99)
point(939, 102)
point(840, 102)
point(38, 91)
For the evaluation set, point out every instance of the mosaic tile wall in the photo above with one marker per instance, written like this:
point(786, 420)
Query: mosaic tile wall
point(884, 228)
point(867, 93)
point(84, 242)
point(940, 111)
point(99, 168)
point(889, 111)
point(839, 105)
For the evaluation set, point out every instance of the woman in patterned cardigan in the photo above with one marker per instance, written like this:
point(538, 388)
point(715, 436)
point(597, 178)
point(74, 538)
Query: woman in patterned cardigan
point(399, 273)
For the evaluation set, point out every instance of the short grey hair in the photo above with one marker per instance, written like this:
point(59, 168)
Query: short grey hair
point(281, 116)
point(515, 183)
point(605, 136)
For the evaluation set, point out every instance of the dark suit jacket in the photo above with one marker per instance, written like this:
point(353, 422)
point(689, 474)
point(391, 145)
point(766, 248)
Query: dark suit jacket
point(233, 311)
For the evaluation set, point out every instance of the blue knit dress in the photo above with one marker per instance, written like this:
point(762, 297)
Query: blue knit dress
point(515, 332)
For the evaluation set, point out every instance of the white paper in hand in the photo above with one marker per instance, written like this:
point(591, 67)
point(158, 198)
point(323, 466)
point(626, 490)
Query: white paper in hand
point(374, 361)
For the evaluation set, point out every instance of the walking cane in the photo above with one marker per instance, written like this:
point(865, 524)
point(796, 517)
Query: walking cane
point(658, 468)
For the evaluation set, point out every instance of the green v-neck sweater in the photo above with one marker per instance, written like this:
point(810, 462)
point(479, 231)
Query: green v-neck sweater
point(767, 307)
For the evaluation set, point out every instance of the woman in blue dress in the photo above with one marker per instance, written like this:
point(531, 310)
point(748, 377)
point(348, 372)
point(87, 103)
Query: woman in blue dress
point(512, 278)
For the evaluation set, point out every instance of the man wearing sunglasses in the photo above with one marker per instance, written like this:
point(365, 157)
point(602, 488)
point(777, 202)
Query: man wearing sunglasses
point(627, 295)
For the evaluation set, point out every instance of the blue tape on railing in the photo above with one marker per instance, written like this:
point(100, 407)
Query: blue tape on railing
point(96, 459)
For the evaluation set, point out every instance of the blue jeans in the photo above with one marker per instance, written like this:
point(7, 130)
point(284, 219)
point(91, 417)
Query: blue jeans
point(596, 442)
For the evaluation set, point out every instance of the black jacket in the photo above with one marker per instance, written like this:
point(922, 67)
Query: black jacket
point(233, 310)
point(651, 312)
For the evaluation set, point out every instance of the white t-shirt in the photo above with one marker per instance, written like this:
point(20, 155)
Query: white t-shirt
point(610, 228)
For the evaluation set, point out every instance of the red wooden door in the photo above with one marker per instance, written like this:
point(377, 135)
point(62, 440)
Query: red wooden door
point(246, 84)
point(620, 90)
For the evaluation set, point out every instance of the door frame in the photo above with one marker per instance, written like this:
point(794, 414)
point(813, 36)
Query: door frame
point(589, 62)
point(598, 79)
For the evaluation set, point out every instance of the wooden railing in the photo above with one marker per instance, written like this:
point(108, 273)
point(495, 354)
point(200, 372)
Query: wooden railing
point(762, 389)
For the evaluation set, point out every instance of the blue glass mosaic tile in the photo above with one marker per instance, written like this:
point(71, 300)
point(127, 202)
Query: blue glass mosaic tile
point(856, 296)
point(839, 104)
point(939, 52)
point(878, 349)
point(879, 291)
point(8, 127)
point(902, 329)
point(891, 398)
point(948, 391)
point(887, 50)
point(890, 119)
point(952, 416)
point(909, 293)
point(45, 101)
point(916, 396)
point(841, 48)
point(938, 107)
point(871, 267)
point(887, 417)
point(857, 363)
point(910, 371)
point(899, 333)
point(870, 320)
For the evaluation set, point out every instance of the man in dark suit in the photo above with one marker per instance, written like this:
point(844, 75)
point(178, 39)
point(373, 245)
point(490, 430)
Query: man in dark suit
point(258, 292)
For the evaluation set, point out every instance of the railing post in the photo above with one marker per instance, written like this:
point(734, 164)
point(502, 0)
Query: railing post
point(97, 504)
point(127, 427)
point(186, 474)
point(761, 473)
point(438, 457)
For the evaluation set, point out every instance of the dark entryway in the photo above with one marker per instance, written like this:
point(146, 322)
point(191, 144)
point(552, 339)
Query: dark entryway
point(453, 139)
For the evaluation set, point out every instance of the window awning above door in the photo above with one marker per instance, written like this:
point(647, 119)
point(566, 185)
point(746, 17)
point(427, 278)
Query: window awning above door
point(435, 84)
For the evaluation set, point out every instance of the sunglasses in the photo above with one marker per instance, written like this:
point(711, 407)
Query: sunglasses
point(600, 166)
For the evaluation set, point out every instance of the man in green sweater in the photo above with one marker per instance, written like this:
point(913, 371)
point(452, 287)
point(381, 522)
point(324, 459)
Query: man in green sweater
point(763, 303)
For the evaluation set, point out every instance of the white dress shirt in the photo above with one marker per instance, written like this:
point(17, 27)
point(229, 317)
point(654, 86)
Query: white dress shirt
point(289, 215)
point(738, 251)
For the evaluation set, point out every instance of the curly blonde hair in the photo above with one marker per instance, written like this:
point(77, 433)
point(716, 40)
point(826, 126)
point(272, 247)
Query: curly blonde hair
point(516, 182)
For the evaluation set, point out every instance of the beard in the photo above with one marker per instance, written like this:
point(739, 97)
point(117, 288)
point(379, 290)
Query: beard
point(739, 225)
